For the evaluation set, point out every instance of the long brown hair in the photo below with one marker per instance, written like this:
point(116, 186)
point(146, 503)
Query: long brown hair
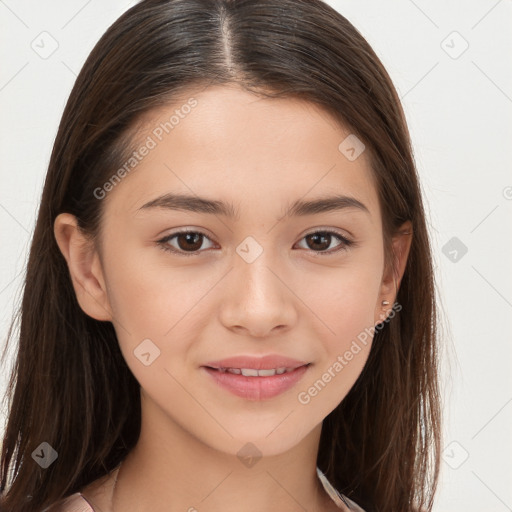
point(70, 386)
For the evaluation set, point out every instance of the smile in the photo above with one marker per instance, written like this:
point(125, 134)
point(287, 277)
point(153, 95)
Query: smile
point(250, 372)
point(253, 384)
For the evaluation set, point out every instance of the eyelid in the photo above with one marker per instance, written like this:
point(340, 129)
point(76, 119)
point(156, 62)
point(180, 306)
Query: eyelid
point(163, 242)
point(326, 229)
point(345, 242)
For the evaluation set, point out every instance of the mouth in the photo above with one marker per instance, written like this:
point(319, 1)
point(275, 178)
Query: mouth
point(256, 383)
point(253, 372)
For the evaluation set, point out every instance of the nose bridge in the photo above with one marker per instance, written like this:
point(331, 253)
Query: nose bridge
point(258, 300)
point(254, 263)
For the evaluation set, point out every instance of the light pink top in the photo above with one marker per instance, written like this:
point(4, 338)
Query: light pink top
point(77, 503)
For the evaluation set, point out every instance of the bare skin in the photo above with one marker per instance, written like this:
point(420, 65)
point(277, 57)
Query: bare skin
point(260, 155)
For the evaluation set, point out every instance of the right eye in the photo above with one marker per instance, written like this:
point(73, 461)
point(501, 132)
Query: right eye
point(187, 241)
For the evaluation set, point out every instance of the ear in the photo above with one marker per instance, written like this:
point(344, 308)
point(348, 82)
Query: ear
point(84, 267)
point(393, 273)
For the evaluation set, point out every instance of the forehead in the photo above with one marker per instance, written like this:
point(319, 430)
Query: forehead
point(230, 144)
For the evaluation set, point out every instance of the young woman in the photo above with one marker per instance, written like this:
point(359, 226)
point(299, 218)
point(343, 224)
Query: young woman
point(229, 301)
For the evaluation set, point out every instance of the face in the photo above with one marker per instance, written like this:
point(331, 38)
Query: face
point(262, 273)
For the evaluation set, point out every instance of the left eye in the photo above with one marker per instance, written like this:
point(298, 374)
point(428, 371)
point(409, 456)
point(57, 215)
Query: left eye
point(188, 241)
point(324, 239)
point(191, 241)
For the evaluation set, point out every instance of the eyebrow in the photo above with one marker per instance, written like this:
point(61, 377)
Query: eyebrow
point(300, 207)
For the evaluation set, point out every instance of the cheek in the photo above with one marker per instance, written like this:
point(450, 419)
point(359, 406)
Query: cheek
point(157, 303)
point(146, 297)
point(344, 298)
point(150, 306)
point(344, 303)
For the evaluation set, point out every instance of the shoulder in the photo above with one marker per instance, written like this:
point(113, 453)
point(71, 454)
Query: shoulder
point(74, 503)
point(97, 492)
point(341, 501)
point(352, 505)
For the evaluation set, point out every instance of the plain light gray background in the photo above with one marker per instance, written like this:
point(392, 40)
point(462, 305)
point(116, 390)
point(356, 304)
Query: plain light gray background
point(450, 62)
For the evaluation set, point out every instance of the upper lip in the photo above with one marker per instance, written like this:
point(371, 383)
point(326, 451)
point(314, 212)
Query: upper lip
point(257, 363)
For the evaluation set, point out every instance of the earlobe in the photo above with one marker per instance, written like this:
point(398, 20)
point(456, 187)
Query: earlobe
point(84, 267)
point(401, 245)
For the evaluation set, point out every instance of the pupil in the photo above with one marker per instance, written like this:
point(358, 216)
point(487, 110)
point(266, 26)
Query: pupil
point(190, 237)
point(325, 238)
point(193, 241)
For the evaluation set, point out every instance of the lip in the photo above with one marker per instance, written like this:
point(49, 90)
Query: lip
point(257, 388)
point(257, 363)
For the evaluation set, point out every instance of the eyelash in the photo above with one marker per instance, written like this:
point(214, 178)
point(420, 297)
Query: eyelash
point(345, 243)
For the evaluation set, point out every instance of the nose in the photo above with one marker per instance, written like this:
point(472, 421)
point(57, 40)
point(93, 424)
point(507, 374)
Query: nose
point(258, 297)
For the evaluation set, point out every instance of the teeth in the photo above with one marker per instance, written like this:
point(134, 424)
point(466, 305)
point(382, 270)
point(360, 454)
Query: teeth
point(250, 372)
point(246, 372)
point(266, 373)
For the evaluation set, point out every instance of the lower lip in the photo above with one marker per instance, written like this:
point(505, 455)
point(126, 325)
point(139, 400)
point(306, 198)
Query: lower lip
point(257, 388)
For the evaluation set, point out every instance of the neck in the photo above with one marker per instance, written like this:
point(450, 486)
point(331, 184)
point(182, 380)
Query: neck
point(170, 470)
